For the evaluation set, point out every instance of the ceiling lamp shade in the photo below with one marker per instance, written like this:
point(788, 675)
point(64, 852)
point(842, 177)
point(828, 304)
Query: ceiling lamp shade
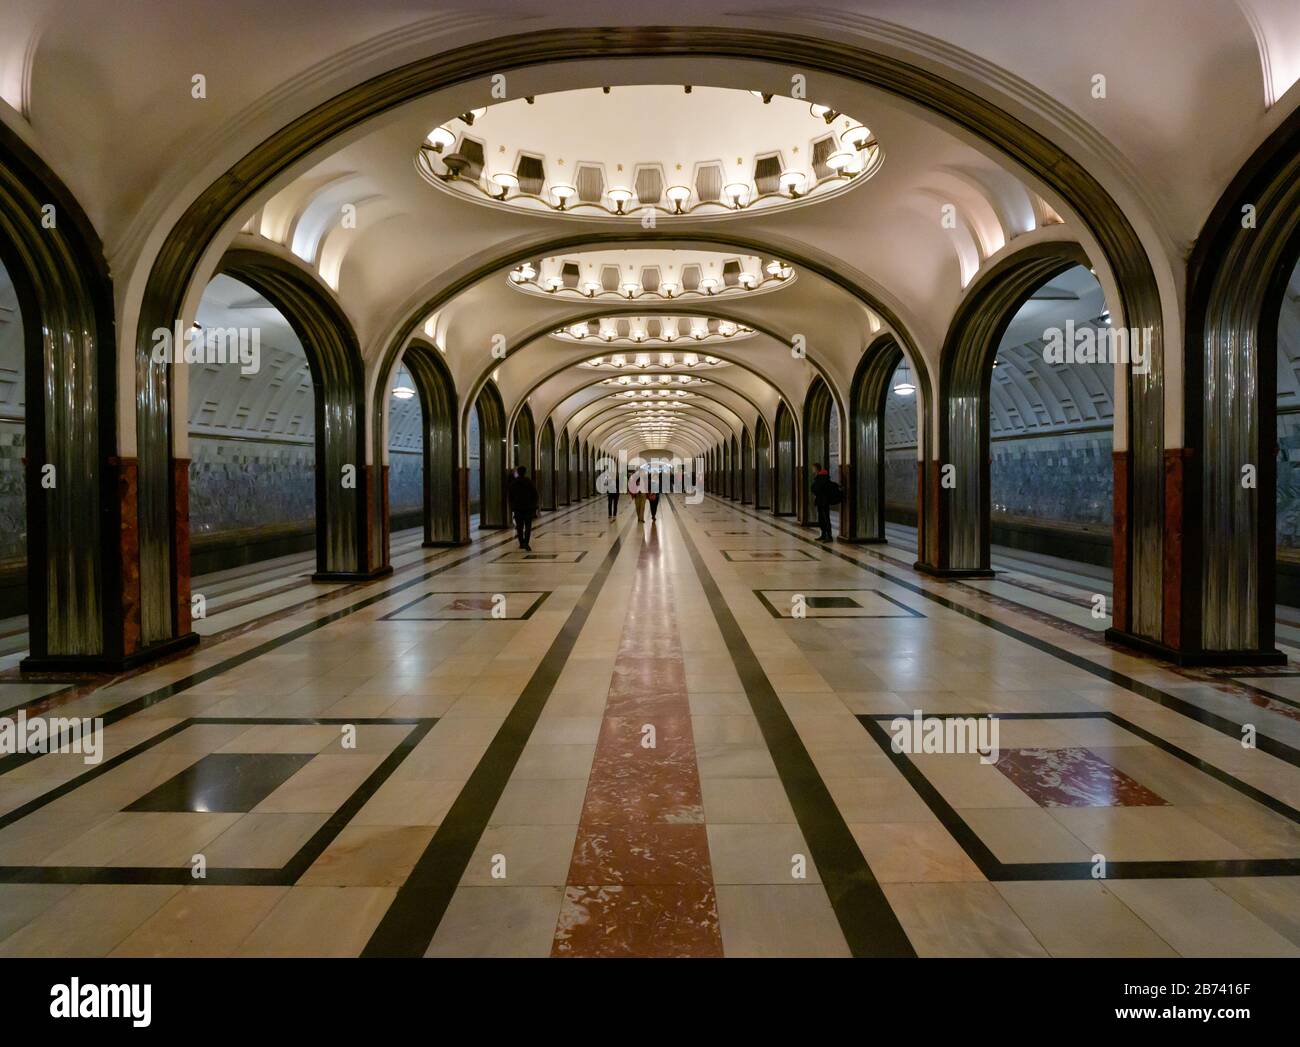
point(678, 195)
point(578, 330)
point(903, 384)
point(562, 194)
point(737, 194)
point(856, 135)
point(709, 284)
point(619, 196)
point(554, 283)
point(668, 287)
point(748, 280)
point(441, 138)
point(793, 182)
point(505, 181)
point(591, 288)
point(630, 288)
point(402, 387)
point(841, 161)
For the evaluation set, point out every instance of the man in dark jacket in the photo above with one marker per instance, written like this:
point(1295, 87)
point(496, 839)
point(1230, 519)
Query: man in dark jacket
point(523, 504)
point(821, 492)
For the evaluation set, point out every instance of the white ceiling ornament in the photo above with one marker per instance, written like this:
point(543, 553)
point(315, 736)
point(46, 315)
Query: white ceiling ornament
point(649, 149)
point(668, 335)
point(651, 275)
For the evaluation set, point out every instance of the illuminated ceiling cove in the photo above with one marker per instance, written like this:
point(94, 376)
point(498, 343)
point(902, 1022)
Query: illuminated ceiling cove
point(654, 332)
point(633, 151)
point(651, 275)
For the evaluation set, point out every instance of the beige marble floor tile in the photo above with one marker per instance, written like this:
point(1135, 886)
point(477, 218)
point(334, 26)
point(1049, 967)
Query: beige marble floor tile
point(498, 922)
point(90, 921)
point(960, 920)
point(201, 921)
point(369, 856)
point(1198, 919)
point(319, 921)
point(913, 852)
point(760, 854)
point(769, 920)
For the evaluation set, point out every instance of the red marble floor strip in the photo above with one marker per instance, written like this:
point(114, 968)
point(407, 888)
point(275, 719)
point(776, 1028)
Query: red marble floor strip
point(1073, 778)
point(640, 881)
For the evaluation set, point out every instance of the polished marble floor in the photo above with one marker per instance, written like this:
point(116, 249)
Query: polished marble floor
point(667, 739)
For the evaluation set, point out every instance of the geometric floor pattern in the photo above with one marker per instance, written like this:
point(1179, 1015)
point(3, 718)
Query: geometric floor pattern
point(678, 738)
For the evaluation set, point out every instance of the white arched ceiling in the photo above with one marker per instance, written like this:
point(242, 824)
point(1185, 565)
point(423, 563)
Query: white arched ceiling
point(1187, 90)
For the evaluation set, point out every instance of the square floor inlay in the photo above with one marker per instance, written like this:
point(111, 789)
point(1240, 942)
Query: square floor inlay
point(224, 782)
point(505, 605)
point(521, 556)
point(767, 555)
point(833, 603)
point(1049, 806)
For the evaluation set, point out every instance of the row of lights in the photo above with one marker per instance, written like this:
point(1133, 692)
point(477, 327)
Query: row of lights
point(656, 379)
point(643, 360)
point(699, 332)
point(709, 285)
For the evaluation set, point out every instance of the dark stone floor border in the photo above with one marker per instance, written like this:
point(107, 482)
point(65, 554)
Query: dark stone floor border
point(865, 916)
point(412, 920)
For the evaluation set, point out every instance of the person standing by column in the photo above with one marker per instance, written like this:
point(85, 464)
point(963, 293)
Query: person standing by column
point(523, 505)
point(822, 496)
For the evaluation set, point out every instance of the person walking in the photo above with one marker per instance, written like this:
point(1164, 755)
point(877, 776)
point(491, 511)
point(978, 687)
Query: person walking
point(636, 487)
point(611, 502)
point(523, 505)
point(823, 493)
point(653, 499)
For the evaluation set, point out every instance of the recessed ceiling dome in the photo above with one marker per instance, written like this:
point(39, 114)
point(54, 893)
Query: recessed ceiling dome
point(651, 275)
point(629, 152)
point(653, 332)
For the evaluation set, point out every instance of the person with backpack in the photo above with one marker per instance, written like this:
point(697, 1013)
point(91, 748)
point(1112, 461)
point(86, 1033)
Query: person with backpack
point(825, 493)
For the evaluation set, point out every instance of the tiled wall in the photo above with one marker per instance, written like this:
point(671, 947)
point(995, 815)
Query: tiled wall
point(1288, 481)
point(13, 503)
point(1056, 479)
point(247, 483)
point(405, 481)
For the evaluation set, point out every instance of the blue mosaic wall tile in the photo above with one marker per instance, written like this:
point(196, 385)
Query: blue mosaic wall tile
point(246, 483)
point(1288, 481)
point(1062, 479)
point(13, 501)
point(405, 481)
point(1065, 479)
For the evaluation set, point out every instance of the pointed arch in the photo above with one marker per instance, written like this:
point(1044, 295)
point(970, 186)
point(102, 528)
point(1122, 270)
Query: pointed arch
point(562, 468)
point(492, 513)
point(783, 463)
point(965, 374)
point(439, 410)
point(546, 465)
point(746, 467)
point(818, 406)
point(83, 609)
point(762, 465)
point(866, 504)
point(346, 548)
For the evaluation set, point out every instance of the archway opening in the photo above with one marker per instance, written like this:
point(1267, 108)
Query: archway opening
point(762, 466)
point(1287, 499)
point(253, 433)
point(783, 472)
point(13, 482)
point(488, 424)
point(406, 454)
point(1051, 484)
